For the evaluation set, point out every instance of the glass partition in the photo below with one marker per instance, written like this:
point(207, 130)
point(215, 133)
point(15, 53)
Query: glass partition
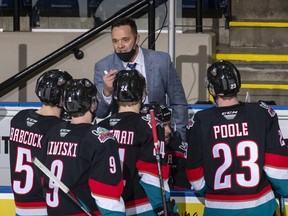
point(81, 15)
point(41, 15)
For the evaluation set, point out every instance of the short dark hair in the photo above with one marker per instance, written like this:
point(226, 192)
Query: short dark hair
point(125, 21)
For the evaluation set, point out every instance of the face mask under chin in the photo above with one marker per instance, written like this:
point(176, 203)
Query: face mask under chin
point(127, 56)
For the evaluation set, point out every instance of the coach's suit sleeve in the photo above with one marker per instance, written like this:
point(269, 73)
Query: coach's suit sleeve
point(164, 81)
point(177, 99)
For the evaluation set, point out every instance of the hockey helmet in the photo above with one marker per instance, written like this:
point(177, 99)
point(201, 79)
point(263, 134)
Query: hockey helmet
point(224, 78)
point(79, 95)
point(50, 85)
point(129, 86)
point(161, 111)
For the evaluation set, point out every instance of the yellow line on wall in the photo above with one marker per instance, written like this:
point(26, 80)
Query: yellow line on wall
point(258, 24)
point(252, 57)
point(265, 86)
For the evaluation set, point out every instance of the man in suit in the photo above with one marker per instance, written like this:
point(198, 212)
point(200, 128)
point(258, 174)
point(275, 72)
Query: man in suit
point(163, 83)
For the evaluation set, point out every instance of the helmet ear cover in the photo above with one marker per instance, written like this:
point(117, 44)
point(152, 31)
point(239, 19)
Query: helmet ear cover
point(50, 85)
point(223, 79)
point(79, 96)
point(129, 86)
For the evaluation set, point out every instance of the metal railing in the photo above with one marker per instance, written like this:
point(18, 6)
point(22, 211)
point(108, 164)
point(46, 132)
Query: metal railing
point(74, 46)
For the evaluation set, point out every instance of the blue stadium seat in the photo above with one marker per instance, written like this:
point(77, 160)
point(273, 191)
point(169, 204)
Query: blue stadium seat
point(210, 8)
point(58, 8)
point(7, 7)
point(206, 4)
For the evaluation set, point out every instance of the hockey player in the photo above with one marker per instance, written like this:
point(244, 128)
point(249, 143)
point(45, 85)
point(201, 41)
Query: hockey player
point(142, 192)
point(236, 151)
point(27, 129)
point(84, 157)
point(176, 150)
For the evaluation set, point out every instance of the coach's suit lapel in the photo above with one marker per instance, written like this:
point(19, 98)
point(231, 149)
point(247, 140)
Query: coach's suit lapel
point(150, 76)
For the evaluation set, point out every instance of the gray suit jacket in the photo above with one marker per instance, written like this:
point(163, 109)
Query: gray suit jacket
point(162, 81)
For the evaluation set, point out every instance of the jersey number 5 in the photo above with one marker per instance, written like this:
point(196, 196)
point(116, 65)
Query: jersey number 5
point(23, 164)
point(222, 179)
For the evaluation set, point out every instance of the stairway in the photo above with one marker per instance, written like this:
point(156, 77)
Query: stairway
point(258, 46)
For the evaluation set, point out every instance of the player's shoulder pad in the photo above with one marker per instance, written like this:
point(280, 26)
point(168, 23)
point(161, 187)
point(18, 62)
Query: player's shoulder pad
point(270, 110)
point(102, 134)
point(23, 113)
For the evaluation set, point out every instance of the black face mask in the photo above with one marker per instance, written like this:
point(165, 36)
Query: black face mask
point(126, 57)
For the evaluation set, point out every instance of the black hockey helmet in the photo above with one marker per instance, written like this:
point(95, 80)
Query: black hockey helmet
point(129, 86)
point(224, 78)
point(50, 85)
point(79, 95)
point(162, 112)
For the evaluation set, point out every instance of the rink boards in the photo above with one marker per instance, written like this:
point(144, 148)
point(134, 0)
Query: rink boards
point(185, 199)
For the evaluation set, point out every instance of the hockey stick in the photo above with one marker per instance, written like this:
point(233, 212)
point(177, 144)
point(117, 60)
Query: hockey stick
point(60, 184)
point(156, 146)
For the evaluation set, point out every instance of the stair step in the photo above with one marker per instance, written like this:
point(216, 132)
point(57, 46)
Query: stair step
point(259, 9)
point(264, 72)
point(258, 34)
point(253, 54)
point(266, 24)
point(253, 57)
point(258, 46)
point(268, 85)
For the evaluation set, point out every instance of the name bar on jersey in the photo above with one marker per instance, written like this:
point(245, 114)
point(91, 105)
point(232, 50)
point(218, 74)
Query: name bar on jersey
point(62, 148)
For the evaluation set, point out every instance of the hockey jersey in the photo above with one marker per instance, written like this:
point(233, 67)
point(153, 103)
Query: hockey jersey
point(27, 129)
point(236, 158)
point(133, 132)
point(85, 158)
